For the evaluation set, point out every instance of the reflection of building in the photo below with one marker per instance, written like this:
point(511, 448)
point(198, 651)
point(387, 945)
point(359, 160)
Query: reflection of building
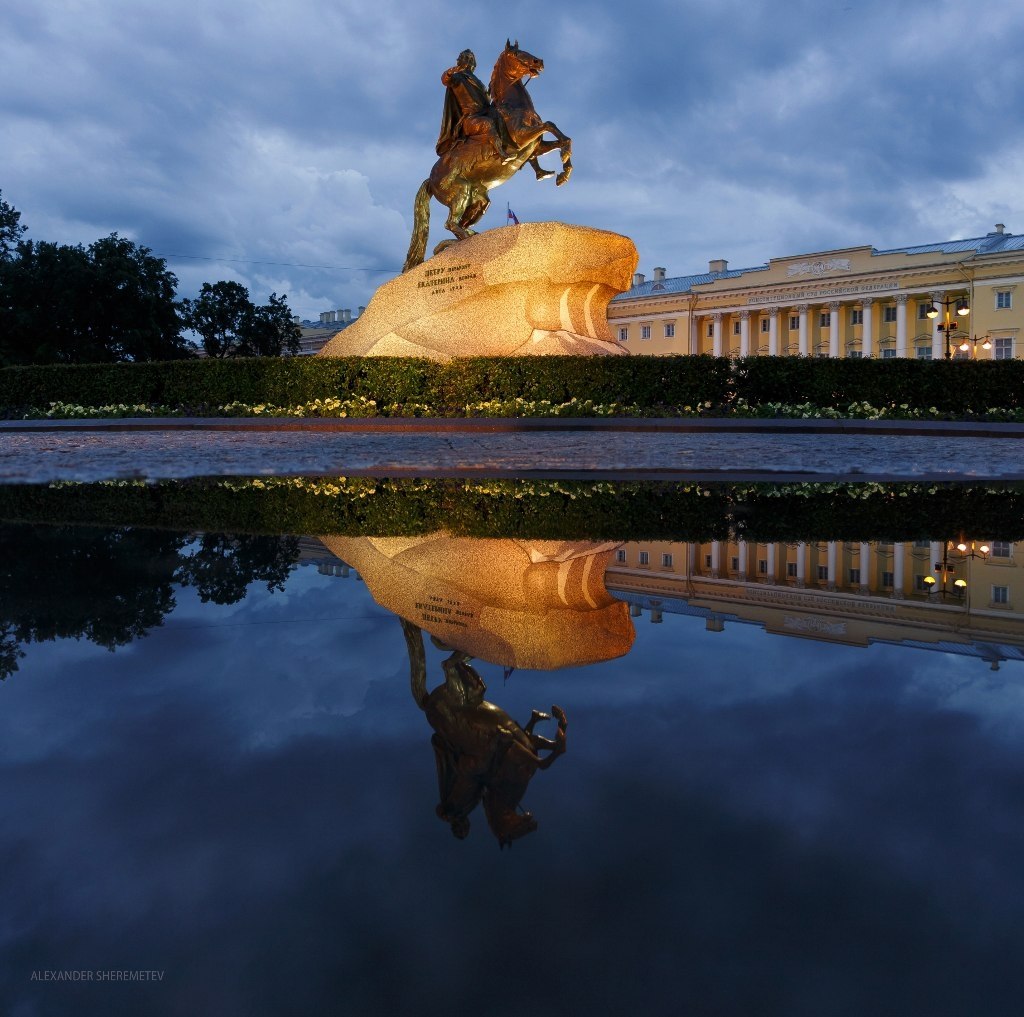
point(313, 552)
point(855, 302)
point(854, 593)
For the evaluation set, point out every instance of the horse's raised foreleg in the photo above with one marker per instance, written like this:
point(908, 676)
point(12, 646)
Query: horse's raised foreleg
point(558, 746)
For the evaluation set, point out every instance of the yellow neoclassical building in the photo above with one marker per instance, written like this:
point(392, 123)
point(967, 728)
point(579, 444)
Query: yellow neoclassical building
point(959, 298)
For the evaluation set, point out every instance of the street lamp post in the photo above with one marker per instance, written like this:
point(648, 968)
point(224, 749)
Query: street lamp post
point(949, 328)
point(946, 569)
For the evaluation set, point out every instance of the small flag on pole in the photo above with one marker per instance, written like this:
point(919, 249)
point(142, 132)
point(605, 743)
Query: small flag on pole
point(512, 219)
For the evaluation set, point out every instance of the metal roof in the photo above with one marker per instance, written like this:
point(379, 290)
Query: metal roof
point(684, 283)
point(991, 243)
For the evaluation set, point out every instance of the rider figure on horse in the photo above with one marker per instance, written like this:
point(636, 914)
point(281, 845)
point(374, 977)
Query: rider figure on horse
point(469, 112)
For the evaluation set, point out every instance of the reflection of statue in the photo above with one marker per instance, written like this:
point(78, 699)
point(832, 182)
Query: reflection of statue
point(519, 603)
point(475, 153)
point(482, 754)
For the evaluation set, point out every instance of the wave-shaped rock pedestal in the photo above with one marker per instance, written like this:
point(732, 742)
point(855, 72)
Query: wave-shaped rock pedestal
point(537, 288)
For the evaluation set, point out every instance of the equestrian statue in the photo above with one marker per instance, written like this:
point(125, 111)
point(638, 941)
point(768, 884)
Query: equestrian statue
point(486, 137)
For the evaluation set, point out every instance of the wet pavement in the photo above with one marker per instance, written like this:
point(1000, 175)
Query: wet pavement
point(41, 452)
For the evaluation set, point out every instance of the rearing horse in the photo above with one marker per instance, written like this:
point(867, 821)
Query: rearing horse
point(462, 176)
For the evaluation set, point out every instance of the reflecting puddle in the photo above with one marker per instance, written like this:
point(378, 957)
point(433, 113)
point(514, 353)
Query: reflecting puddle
point(788, 779)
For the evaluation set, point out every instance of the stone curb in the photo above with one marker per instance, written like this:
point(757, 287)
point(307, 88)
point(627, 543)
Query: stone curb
point(485, 425)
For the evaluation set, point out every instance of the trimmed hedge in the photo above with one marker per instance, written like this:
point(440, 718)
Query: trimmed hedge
point(951, 386)
point(447, 388)
point(659, 385)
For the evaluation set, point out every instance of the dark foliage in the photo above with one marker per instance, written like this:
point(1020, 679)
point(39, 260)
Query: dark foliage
point(112, 301)
point(231, 325)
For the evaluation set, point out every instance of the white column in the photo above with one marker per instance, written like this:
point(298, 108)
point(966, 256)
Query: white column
point(804, 347)
point(865, 565)
point(897, 571)
point(773, 334)
point(833, 329)
point(744, 333)
point(938, 347)
point(741, 553)
point(771, 562)
point(833, 554)
point(901, 324)
point(867, 327)
point(801, 565)
point(716, 320)
point(716, 558)
point(935, 558)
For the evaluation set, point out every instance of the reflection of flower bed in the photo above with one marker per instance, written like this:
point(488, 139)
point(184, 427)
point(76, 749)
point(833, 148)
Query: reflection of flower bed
point(537, 509)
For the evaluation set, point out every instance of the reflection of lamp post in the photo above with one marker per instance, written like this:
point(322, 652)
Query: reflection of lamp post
point(946, 569)
point(949, 328)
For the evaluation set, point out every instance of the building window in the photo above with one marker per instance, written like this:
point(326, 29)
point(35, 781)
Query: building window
point(856, 316)
point(644, 558)
point(887, 580)
point(645, 331)
point(736, 326)
point(623, 334)
point(855, 577)
point(1002, 349)
point(762, 566)
point(825, 319)
point(922, 311)
point(1004, 300)
point(791, 569)
point(922, 543)
point(670, 330)
point(765, 325)
point(734, 564)
point(1000, 594)
point(920, 585)
point(924, 353)
point(794, 322)
point(822, 573)
point(889, 354)
point(707, 561)
point(711, 331)
point(620, 555)
point(889, 313)
point(1001, 548)
point(666, 561)
point(856, 354)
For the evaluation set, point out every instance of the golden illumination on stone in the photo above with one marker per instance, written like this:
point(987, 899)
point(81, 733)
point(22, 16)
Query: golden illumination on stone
point(519, 603)
point(532, 289)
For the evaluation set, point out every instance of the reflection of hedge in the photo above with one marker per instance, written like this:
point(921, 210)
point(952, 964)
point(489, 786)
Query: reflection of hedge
point(535, 509)
point(447, 388)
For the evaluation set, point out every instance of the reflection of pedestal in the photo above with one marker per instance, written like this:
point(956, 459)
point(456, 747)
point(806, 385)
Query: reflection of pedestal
point(534, 604)
point(537, 288)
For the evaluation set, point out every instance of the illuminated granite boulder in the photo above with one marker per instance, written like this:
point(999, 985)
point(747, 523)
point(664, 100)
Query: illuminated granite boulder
point(533, 289)
point(530, 603)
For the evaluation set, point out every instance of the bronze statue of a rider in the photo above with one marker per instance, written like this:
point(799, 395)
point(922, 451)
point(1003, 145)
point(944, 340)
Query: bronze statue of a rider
point(469, 112)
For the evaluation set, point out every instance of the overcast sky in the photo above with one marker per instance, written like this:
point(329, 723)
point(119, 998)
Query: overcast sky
point(261, 138)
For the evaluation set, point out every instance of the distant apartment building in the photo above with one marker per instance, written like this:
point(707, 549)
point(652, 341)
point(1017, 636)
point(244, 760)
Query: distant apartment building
point(316, 334)
point(960, 295)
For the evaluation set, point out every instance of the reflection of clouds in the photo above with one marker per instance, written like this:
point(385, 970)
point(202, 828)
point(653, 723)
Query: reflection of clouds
point(842, 839)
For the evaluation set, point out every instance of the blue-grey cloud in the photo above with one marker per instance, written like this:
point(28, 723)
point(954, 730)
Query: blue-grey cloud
point(299, 134)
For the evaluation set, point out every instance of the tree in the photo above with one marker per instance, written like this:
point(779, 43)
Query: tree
point(10, 228)
point(230, 325)
point(63, 304)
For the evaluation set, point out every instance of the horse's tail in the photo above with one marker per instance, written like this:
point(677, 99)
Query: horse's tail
point(417, 662)
point(420, 227)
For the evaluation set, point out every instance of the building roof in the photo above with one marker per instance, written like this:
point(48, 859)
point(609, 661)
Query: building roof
point(991, 243)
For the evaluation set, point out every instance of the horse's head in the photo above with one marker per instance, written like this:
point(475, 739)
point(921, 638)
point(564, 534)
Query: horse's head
point(516, 63)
